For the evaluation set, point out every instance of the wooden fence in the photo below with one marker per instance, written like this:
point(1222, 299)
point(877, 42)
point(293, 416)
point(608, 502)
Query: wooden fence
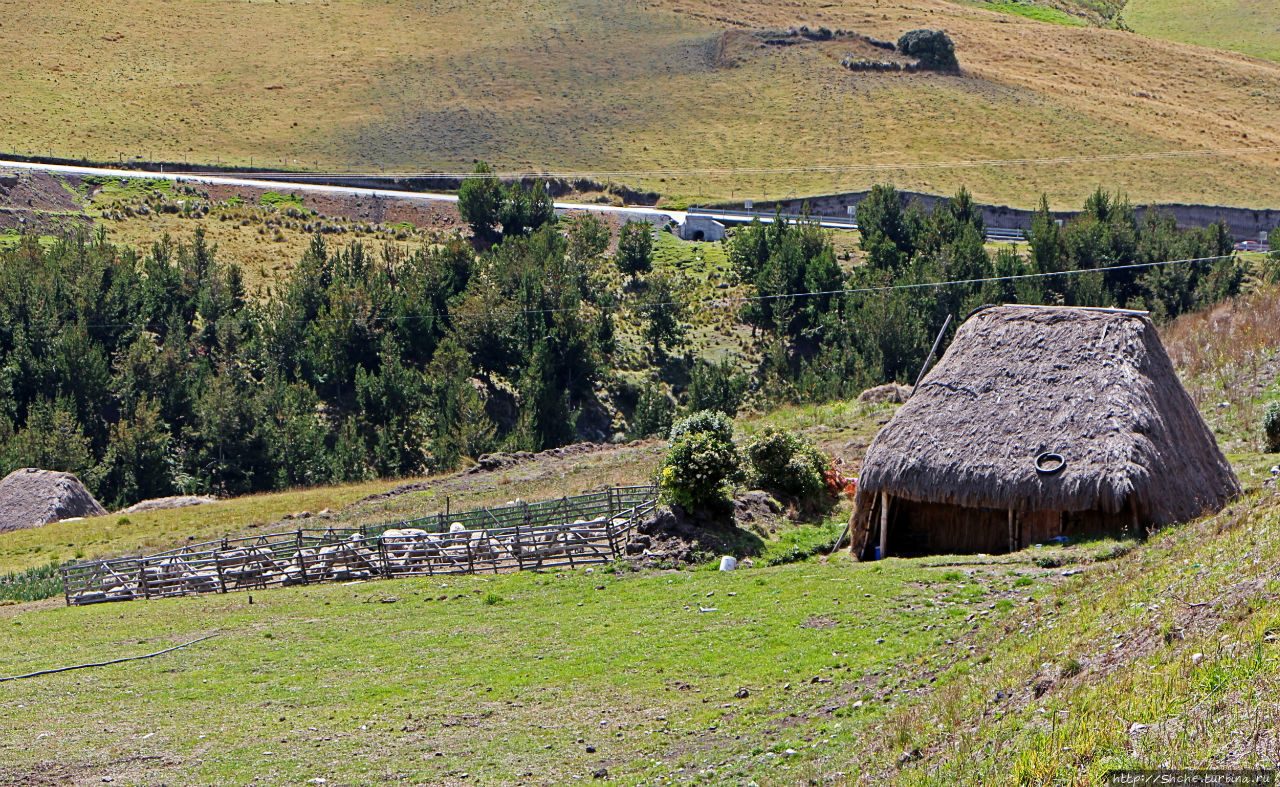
point(571, 531)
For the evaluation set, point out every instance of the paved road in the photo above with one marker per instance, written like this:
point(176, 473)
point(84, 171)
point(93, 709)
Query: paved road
point(994, 234)
point(640, 213)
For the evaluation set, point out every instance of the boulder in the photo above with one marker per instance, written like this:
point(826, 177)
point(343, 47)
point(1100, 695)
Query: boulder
point(890, 392)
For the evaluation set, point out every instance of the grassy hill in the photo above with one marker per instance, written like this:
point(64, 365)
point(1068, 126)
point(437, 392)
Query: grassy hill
point(1249, 26)
point(586, 85)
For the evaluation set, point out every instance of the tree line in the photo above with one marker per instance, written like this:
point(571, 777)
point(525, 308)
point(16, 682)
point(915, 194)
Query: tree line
point(153, 373)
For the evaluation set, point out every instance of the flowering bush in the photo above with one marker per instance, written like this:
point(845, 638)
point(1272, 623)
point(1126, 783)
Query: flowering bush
point(702, 463)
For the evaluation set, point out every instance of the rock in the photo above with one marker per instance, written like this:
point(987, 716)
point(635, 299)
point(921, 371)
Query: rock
point(1042, 687)
point(743, 693)
point(890, 393)
point(591, 750)
point(1196, 658)
point(161, 503)
point(600, 773)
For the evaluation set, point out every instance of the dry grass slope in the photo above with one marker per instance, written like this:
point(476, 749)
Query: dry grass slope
point(582, 84)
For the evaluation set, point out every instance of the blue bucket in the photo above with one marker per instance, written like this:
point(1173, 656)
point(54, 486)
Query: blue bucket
point(878, 555)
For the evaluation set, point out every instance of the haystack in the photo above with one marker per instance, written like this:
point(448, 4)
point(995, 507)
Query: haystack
point(1037, 423)
point(31, 498)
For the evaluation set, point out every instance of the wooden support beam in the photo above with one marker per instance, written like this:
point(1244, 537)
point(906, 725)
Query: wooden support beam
point(1013, 538)
point(884, 524)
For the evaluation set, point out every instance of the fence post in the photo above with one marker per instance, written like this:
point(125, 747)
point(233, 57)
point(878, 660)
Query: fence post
point(386, 562)
point(217, 565)
point(142, 580)
point(66, 587)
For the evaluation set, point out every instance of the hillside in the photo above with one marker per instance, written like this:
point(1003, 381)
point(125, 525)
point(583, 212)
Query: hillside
point(585, 85)
point(1249, 26)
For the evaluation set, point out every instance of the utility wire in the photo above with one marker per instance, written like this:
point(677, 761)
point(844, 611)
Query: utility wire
point(714, 302)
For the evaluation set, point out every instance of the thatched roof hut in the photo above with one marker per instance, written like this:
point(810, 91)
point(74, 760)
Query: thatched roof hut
point(30, 498)
point(968, 465)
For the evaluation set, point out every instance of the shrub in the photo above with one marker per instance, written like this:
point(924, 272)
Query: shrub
point(933, 48)
point(654, 412)
point(786, 463)
point(702, 463)
point(716, 386)
point(1271, 426)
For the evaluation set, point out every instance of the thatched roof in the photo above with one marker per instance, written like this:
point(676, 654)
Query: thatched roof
point(1093, 385)
point(31, 498)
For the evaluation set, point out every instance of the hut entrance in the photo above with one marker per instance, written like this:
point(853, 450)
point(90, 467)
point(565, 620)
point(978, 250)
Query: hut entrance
point(941, 529)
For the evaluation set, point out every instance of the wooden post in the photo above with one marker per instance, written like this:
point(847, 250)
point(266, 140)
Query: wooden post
point(142, 580)
point(1013, 539)
point(66, 589)
point(382, 555)
point(217, 564)
point(302, 562)
point(884, 524)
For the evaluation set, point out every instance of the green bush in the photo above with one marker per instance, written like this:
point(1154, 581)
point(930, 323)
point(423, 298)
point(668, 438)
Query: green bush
point(786, 463)
point(654, 413)
point(702, 463)
point(933, 48)
point(1271, 426)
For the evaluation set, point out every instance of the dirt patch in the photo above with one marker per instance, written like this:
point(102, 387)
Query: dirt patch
point(31, 498)
point(441, 216)
point(126, 770)
point(673, 536)
point(489, 463)
point(37, 202)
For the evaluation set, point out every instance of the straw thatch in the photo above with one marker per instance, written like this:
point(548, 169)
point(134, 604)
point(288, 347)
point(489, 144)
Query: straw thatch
point(1094, 386)
point(30, 498)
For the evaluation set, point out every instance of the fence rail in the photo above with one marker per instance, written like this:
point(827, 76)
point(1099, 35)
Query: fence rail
point(571, 531)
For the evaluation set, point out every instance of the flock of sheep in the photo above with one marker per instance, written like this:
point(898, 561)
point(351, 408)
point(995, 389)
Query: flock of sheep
point(396, 552)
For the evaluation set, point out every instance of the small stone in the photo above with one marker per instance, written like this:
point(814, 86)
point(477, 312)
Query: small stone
point(743, 693)
point(600, 773)
point(790, 752)
point(591, 750)
point(1196, 658)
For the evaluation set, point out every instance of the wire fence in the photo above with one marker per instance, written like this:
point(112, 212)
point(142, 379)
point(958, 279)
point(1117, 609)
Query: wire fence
point(573, 531)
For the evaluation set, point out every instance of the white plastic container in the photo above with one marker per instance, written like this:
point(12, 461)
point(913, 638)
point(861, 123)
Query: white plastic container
point(728, 563)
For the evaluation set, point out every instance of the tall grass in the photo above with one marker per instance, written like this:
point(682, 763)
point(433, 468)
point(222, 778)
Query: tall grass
point(1227, 353)
point(32, 584)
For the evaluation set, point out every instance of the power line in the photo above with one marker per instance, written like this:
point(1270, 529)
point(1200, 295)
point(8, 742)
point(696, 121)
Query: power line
point(713, 303)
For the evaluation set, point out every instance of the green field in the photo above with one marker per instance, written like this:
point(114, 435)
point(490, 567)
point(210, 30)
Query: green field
point(925, 671)
point(1040, 13)
point(505, 679)
point(1249, 26)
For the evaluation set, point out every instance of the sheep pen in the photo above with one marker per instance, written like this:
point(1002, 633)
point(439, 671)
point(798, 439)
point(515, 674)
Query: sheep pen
point(573, 531)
